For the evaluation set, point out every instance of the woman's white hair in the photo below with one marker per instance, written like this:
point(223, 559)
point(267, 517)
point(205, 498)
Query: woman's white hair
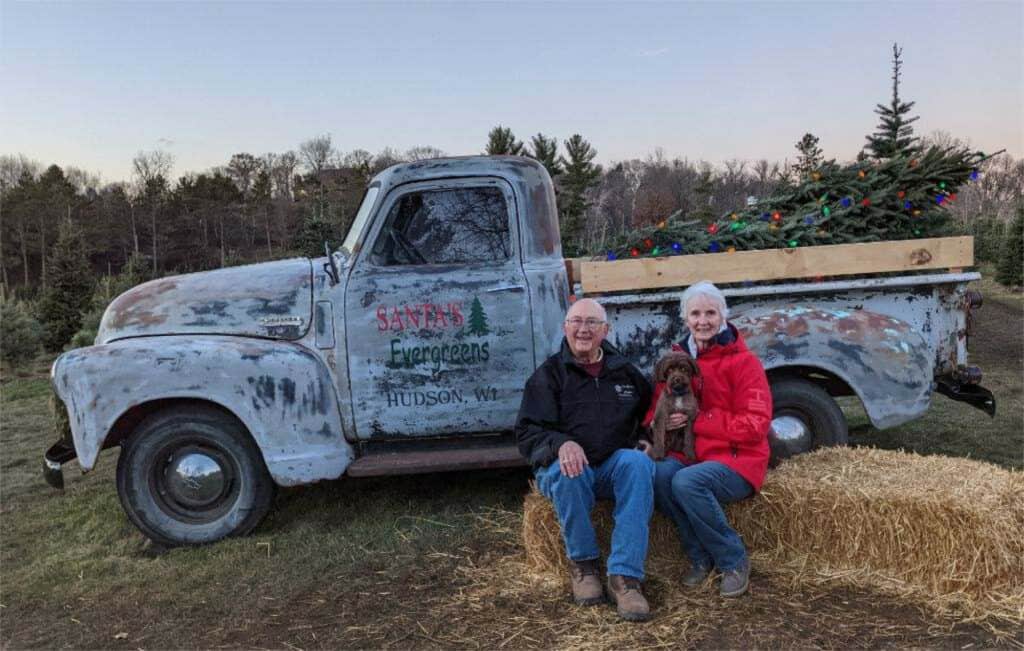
point(705, 288)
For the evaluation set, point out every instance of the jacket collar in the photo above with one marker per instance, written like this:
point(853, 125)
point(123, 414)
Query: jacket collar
point(727, 336)
point(612, 357)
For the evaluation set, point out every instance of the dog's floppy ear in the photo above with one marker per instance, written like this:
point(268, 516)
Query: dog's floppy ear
point(661, 368)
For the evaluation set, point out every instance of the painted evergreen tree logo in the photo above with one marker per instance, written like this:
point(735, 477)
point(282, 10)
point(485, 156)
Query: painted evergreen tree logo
point(477, 319)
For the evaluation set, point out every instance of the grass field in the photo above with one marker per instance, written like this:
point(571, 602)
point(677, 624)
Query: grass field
point(392, 562)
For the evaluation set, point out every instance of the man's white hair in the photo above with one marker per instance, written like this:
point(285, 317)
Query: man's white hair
point(705, 288)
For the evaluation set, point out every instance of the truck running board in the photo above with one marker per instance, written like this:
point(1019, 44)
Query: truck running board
point(414, 462)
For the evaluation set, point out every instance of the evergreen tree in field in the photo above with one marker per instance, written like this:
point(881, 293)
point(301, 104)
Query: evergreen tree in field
point(1010, 270)
point(809, 156)
point(501, 141)
point(580, 175)
point(70, 289)
point(545, 150)
point(477, 319)
point(316, 229)
point(894, 136)
point(20, 334)
point(899, 193)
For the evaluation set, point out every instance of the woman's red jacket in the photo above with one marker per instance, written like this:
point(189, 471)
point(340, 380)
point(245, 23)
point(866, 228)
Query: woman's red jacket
point(735, 409)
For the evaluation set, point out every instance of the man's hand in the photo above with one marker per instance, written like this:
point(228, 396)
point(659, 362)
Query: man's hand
point(677, 421)
point(571, 459)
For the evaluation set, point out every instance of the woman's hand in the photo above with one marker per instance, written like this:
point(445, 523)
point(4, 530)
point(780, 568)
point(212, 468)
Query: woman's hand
point(677, 421)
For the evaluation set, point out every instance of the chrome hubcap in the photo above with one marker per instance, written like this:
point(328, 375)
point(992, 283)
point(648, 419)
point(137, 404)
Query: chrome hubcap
point(195, 479)
point(790, 436)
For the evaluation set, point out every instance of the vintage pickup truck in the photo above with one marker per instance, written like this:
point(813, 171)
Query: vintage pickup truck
point(406, 351)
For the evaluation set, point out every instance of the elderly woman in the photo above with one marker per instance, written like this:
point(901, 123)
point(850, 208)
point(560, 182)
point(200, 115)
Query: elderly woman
point(731, 435)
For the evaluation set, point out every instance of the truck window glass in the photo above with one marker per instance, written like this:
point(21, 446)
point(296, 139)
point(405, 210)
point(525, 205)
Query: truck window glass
point(360, 219)
point(451, 226)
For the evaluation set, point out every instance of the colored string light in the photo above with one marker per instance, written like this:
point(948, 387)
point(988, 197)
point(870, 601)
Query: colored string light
point(777, 216)
point(731, 249)
point(846, 201)
point(713, 228)
point(648, 243)
point(677, 247)
point(861, 174)
point(792, 244)
point(715, 247)
point(656, 251)
point(974, 175)
point(907, 205)
point(825, 211)
point(901, 194)
point(661, 225)
point(765, 217)
point(611, 255)
point(808, 220)
point(634, 252)
point(939, 198)
point(733, 217)
point(866, 202)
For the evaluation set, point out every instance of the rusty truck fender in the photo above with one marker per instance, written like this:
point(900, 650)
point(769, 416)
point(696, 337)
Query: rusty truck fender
point(279, 390)
point(883, 360)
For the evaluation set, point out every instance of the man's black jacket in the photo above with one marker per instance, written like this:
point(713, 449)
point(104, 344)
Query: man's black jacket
point(562, 403)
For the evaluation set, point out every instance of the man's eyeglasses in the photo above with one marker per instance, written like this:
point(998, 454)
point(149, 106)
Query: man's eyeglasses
point(577, 322)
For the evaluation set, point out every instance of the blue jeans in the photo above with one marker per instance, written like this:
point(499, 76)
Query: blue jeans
point(692, 496)
point(627, 477)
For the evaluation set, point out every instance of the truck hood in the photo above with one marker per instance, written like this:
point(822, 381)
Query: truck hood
point(272, 300)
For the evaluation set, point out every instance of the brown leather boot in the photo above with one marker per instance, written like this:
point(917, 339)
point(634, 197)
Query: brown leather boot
point(626, 592)
point(586, 582)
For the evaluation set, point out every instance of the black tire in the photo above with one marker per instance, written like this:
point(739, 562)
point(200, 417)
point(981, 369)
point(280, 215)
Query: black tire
point(166, 494)
point(812, 406)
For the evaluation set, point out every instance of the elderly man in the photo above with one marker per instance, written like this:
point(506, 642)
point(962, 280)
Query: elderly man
point(578, 426)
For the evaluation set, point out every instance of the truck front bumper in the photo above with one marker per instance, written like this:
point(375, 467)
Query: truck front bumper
point(58, 454)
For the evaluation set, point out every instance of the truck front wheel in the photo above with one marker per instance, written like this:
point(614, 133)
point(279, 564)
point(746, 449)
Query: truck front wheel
point(805, 417)
point(192, 475)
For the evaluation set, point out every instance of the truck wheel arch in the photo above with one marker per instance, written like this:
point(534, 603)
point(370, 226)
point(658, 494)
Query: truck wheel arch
point(280, 392)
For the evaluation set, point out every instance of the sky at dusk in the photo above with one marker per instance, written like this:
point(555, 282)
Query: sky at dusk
point(90, 84)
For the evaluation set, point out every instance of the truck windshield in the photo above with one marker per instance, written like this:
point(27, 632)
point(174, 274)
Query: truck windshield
point(348, 246)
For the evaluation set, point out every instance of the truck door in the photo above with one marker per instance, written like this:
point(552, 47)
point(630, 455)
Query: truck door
point(437, 314)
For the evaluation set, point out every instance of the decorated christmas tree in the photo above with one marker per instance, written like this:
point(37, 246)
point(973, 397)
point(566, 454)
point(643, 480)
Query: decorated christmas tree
point(897, 190)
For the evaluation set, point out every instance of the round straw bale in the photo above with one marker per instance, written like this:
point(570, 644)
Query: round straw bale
point(946, 532)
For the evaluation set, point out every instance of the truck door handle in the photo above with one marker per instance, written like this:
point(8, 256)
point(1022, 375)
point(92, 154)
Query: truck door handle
point(506, 288)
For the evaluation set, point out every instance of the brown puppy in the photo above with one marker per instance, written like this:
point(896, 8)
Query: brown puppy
point(677, 370)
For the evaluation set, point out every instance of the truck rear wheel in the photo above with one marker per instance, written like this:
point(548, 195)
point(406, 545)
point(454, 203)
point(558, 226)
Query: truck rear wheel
point(192, 475)
point(805, 418)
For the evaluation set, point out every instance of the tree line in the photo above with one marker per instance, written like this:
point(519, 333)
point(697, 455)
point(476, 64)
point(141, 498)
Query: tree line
point(70, 243)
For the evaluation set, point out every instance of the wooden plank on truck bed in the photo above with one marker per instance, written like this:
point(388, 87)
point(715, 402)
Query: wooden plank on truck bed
point(777, 264)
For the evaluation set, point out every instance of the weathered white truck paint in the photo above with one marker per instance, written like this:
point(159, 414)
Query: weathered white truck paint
point(407, 350)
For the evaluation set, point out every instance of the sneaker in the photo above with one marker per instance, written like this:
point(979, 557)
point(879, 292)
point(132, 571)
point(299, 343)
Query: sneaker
point(735, 582)
point(586, 582)
point(696, 576)
point(627, 595)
